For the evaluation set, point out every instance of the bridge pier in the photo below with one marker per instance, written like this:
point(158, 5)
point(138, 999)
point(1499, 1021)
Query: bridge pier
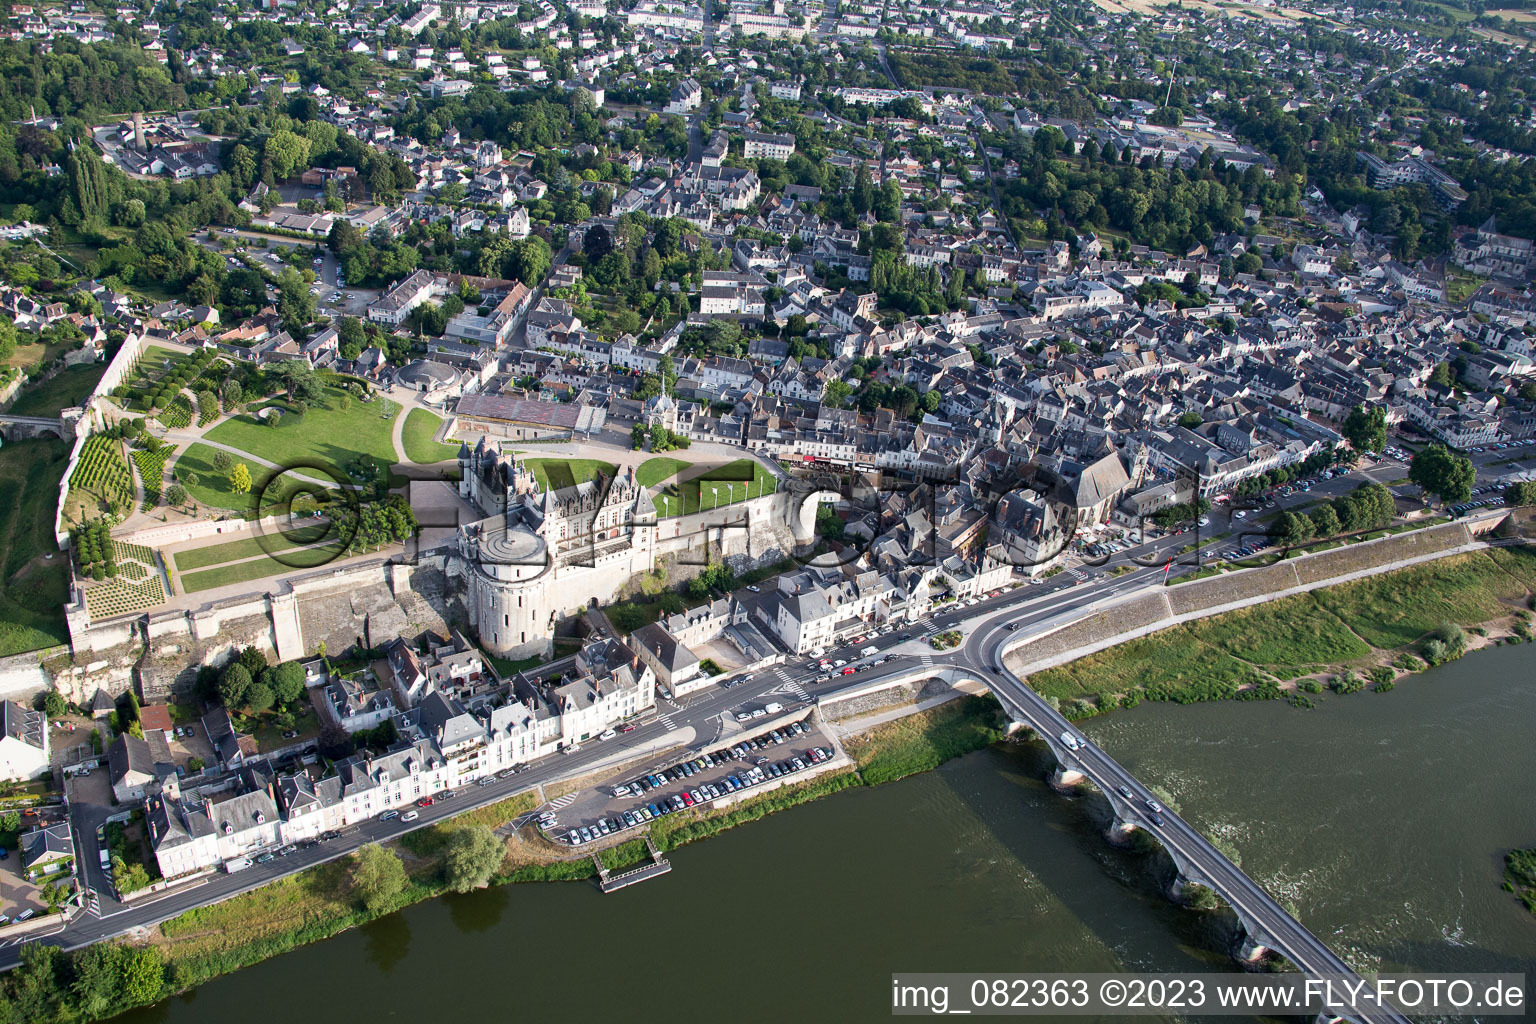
point(1250, 951)
point(1065, 779)
point(1120, 831)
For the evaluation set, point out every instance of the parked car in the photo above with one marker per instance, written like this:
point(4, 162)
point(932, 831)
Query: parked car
point(389, 815)
point(409, 816)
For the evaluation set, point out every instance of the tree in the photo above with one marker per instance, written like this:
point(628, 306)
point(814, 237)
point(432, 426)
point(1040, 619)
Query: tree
point(286, 680)
point(51, 703)
point(377, 876)
point(1325, 521)
point(1442, 472)
point(143, 975)
point(1366, 428)
point(1523, 493)
point(175, 495)
point(10, 821)
point(301, 381)
point(1190, 420)
point(234, 682)
point(473, 855)
point(597, 244)
point(1292, 528)
point(351, 337)
point(223, 462)
point(240, 479)
point(285, 154)
point(259, 697)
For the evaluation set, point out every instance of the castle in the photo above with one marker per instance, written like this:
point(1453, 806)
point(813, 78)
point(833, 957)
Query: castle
point(541, 552)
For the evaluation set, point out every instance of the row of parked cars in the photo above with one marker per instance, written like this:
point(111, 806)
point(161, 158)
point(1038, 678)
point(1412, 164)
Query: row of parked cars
point(1468, 506)
point(701, 794)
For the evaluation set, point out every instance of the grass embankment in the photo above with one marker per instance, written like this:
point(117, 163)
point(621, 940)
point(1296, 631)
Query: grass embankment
point(66, 388)
point(416, 436)
point(35, 587)
point(922, 742)
point(1366, 626)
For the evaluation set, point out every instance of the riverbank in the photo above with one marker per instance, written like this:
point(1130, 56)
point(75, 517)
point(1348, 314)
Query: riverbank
point(1268, 650)
point(1366, 633)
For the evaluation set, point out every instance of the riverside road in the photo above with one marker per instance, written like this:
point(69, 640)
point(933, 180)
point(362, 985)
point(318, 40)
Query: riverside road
point(990, 627)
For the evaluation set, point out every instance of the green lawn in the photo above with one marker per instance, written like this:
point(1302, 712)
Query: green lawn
point(70, 387)
point(260, 568)
point(212, 488)
point(327, 439)
point(724, 485)
point(250, 547)
point(35, 588)
point(654, 471)
point(420, 426)
point(558, 474)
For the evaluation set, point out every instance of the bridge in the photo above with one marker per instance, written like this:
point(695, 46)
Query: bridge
point(1267, 926)
point(20, 428)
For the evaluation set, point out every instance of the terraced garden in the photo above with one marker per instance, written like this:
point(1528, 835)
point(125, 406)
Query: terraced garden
point(103, 471)
point(158, 378)
point(150, 457)
point(259, 568)
point(121, 596)
point(178, 414)
point(250, 547)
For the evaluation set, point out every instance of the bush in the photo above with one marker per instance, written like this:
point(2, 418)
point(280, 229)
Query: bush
point(50, 703)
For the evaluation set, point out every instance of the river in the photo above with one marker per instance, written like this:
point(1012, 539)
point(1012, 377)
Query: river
point(1381, 818)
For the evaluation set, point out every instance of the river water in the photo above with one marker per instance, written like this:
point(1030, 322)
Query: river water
point(1382, 819)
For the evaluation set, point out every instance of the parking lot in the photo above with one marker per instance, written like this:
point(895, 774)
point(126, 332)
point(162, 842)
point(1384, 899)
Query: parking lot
point(764, 759)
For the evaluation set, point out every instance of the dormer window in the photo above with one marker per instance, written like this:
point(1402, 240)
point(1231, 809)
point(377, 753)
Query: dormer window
point(260, 818)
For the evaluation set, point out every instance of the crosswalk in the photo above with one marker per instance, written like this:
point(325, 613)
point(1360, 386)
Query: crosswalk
point(563, 801)
point(1077, 574)
point(666, 720)
point(93, 903)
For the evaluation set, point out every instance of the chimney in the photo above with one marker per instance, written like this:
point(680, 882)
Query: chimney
point(138, 131)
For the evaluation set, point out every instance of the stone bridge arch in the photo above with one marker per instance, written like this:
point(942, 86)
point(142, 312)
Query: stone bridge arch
point(803, 519)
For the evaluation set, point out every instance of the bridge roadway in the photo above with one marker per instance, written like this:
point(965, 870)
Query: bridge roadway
point(1267, 923)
